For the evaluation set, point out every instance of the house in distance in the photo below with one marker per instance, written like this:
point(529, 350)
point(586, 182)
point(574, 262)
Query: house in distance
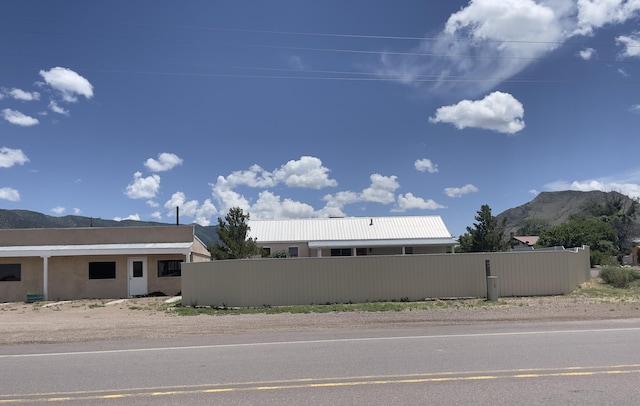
point(353, 236)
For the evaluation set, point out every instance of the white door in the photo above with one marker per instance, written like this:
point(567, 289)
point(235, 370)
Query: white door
point(137, 271)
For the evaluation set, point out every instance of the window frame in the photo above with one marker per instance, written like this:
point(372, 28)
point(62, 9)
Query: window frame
point(292, 248)
point(11, 273)
point(180, 261)
point(97, 274)
point(341, 252)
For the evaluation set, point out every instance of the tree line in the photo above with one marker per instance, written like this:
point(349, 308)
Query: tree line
point(606, 227)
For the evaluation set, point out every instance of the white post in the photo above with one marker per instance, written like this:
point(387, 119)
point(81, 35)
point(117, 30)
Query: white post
point(319, 252)
point(45, 278)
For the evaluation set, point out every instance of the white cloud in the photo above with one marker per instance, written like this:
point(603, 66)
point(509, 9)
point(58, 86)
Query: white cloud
point(587, 53)
point(10, 157)
point(629, 187)
point(534, 192)
point(425, 165)
point(143, 188)
point(487, 42)
point(68, 83)
point(77, 211)
point(254, 177)
point(10, 194)
point(270, 206)
point(631, 45)
point(20, 94)
point(205, 212)
point(410, 202)
point(227, 198)
point(165, 162)
point(58, 210)
point(135, 217)
point(152, 203)
point(460, 191)
point(635, 108)
point(498, 111)
point(53, 106)
point(598, 13)
point(18, 118)
point(307, 172)
point(191, 208)
point(381, 190)
point(156, 215)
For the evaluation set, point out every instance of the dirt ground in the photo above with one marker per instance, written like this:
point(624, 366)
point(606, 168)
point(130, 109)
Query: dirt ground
point(93, 320)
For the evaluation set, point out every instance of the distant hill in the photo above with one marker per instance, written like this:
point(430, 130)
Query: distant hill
point(32, 219)
point(552, 207)
point(556, 207)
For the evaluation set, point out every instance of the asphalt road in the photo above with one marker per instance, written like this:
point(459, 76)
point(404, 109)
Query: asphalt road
point(586, 363)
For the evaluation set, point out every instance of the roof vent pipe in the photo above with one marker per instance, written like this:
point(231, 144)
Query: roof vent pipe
point(371, 223)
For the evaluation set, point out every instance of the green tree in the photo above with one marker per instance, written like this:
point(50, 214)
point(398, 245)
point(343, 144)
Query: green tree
point(532, 227)
point(232, 233)
point(486, 235)
point(620, 213)
point(582, 230)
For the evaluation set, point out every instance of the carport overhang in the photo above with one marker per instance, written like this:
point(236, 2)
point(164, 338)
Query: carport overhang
point(383, 243)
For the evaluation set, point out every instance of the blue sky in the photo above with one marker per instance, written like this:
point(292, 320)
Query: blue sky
point(318, 108)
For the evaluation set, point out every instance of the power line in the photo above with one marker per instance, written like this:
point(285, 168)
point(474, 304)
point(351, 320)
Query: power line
point(306, 34)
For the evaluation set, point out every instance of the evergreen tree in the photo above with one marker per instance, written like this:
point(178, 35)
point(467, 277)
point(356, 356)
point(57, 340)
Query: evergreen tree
point(232, 233)
point(487, 235)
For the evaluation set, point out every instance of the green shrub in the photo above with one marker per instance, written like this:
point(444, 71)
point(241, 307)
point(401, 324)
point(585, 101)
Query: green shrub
point(619, 277)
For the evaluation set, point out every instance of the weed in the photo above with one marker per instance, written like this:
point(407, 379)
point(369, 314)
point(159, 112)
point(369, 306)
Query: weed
point(619, 277)
point(95, 305)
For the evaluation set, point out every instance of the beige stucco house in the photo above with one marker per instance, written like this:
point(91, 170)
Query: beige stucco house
point(100, 262)
point(353, 236)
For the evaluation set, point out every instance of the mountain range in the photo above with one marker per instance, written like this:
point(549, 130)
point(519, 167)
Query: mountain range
point(556, 207)
point(552, 207)
point(32, 219)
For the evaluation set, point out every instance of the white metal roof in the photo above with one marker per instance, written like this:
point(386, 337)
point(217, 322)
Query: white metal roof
point(95, 249)
point(332, 231)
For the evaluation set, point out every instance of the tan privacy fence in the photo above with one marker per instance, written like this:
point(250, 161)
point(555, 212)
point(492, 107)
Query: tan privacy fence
point(295, 281)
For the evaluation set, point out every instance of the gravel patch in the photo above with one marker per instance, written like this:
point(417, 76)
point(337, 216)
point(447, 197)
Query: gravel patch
point(94, 320)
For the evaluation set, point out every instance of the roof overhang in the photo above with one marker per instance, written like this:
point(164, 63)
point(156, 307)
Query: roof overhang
point(382, 243)
point(96, 249)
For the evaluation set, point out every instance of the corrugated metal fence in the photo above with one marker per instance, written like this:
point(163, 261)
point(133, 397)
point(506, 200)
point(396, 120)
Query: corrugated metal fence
point(296, 281)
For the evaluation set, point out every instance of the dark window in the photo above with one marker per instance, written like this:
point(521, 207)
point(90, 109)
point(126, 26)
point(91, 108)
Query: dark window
point(361, 251)
point(10, 272)
point(171, 267)
point(293, 251)
point(137, 269)
point(266, 252)
point(102, 270)
point(408, 250)
point(340, 252)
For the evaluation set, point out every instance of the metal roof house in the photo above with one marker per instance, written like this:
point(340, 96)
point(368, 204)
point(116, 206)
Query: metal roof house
point(100, 262)
point(353, 236)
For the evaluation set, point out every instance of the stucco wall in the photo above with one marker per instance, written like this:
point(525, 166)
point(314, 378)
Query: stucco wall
point(31, 281)
point(69, 278)
point(95, 235)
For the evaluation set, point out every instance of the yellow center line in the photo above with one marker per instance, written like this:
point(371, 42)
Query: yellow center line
point(308, 383)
